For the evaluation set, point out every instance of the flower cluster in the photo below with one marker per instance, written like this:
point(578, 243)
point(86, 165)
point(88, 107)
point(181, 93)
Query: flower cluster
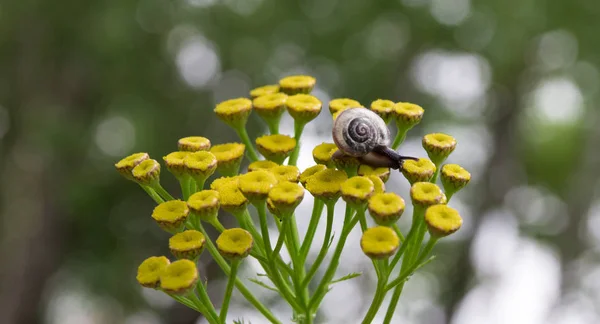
point(273, 187)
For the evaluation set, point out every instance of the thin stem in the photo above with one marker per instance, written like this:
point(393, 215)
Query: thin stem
point(312, 228)
point(274, 126)
point(400, 136)
point(436, 174)
point(398, 232)
point(184, 183)
point(205, 302)
point(360, 213)
point(217, 225)
point(243, 134)
point(185, 301)
point(376, 303)
point(298, 129)
point(162, 192)
point(261, 207)
point(282, 234)
point(199, 185)
point(404, 274)
point(228, 290)
point(324, 246)
point(157, 199)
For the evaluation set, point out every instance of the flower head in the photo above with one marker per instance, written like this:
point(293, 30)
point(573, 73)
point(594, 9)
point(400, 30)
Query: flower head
point(261, 165)
point(386, 208)
point(272, 209)
point(309, 172)
point(356, 191)
point(187, 244)
point(256, 185)
point(179, 277)
point(303, 108)
point(323, 153)
point(286, 196)
point(170, 215)
point(229, 157)
point(235, 243)
point(148, 274)
point(407, 115)
point(295, 84)
point(126, 165)
point(340, 104)
point(289, 173)
point(231, 198)
point(326, 184)
point(442, 220)
point(383, 108)
point(147, 172)
point(377, 183)
point(379, 242)
point(438, 146)
point(424, 194)
point(175, 164)
point(346, 162)
point(200, 165)
point(234, 112)
point(193, 144)
point(205, 205)
point(418, 171)
point(454, 178)
point(367, 170)
point(270, 107)
point(276, 147)
point(222, 181)
point(264, 90)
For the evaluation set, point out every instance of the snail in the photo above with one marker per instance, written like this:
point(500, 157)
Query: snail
point(361, 133)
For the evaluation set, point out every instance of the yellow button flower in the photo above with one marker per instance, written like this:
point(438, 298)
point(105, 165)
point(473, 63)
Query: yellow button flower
point(235, 243)
point(438, 146)
point(322, 154)
point(340, 104)
point(256, 185)
point(193, 144)
point(179, 277)
point(418, 171)
point(187, 244)
point(264, 90)
point(383, 108)
point(222, 181)
point(229, 157)
point(171, 215)
point(232, 199)
point(234, 112)
point(367, 170)
point(424, 194)
point(377, 183)
point(346, 162)
point(148, 274)
point(126, 165)
point(326, 184)
point(200, 165)
point(407, 115)
point(205, 205)
point(272, 209)
point(261, 165)
point(147, 172)
point(297, 84)
point(386, 208)
point(276, 147)
point(286, 196)
point(174, 163)
point(442, 220)
point(379, 242)
point(454, 178)
point(286, 173)
point(270, 106)
point(356, 191)
point(309, 172)
point(303, 108)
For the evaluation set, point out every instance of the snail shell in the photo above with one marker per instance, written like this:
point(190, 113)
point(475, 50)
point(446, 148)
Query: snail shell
point(359, 131)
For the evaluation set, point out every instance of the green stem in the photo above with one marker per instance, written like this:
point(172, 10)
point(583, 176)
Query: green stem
point(184, 183)
point(398, 232)
point(299, 267)
point(298, 129)
point(204, 301)
point(400, 136)
point(404, 274)
point(228, 290)
point(157, 199)
point(274, 126)
point(377, 300)
point(243, 134)
point(282, 234)
point(261, 207)
point(312, 228)
point(360, 212)
point(162, 192)
point(324, 247)
point(191, 304)
point(435, 174)
point(217, 225)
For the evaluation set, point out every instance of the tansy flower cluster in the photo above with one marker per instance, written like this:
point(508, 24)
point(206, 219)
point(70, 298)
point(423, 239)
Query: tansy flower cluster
point(214, 185)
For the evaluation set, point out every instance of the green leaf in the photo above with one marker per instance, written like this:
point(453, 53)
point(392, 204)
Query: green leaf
point(262, 284)
point(346, 277)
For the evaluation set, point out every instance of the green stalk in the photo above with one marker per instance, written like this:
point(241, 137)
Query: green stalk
point(312, 228)
point(204, 300)
point(186, 302)
point(230, 282)
point(184, 183)
point(157, 199)
point(282, 235)
point(243, 134)
point(404, 274)
point(377, 300)
point(398, 232)
point(324, 247)
point(298, 129)
point(162, 192)
point(400, 136)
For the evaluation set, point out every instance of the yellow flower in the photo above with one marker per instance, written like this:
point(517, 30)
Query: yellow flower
point(220, 182)
point(286, 196)
point(309, 172)
point(407, 115)
point(322, 154)
point(303, 108)
point(179, 277)
point(294, 84)
point(235, 243)
point(234, 112)
point(346, 162)
point(379, 242)
point(147, 172)
point(200, 165)
point(148, 274)
point(326, 184)
point(232, 199)
point(171, 215)
point(229, 157)
point(126, 165)
point(270, 107)
point(276, 147)
point(272, 209)
point(205, 205)
point(261, 165)
point(340, 104)
point(418, 171)
point(377, 183)
point(424, 194)
point(286, 173)
point(386, 208)
point(264, 90)
point(454, 178)
point(367, 170)
point(187, 244)
point(442, 220)
point(174, 163)
point(356, 191)
point(193, 144)
point(383, 108)
point(256, 185)
point(438, 146)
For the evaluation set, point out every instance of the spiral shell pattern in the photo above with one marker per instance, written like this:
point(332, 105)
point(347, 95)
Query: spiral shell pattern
point(357, 131)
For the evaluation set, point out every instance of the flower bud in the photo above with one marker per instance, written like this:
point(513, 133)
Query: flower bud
point(326, 184)
point(264, 90)
point(256, 185)
point(229, 157)
point(381, 173)
point(454, 178)
point(442, 220)
point(193, 144)
point(289, 173)
point(235, 243)
point(295, 84)
point(205, 205)
point(179, 277)
point(425, 194)
point(234, 112)
point(377, 183)
point(379, 242)
point(322, 154)
point(418, 171)
point(285, 197)
point(200, 165)
point(171, 215)
point(175, 164)
point(261, 165)
point(438, 146)
point(386, 208)
point(187, 244)
point(309, 172)
point(383, 108)
point(147, 172)
point(303, 108)
point(148, 273)
point(126, 165)
point(356, 191)
point(276, 147)
point(340, 104)
point(407, 115)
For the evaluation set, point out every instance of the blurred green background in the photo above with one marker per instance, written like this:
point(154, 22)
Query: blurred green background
point(84, 83)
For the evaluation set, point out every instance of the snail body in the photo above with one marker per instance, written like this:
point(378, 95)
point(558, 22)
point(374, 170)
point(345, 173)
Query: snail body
point(361, 133)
